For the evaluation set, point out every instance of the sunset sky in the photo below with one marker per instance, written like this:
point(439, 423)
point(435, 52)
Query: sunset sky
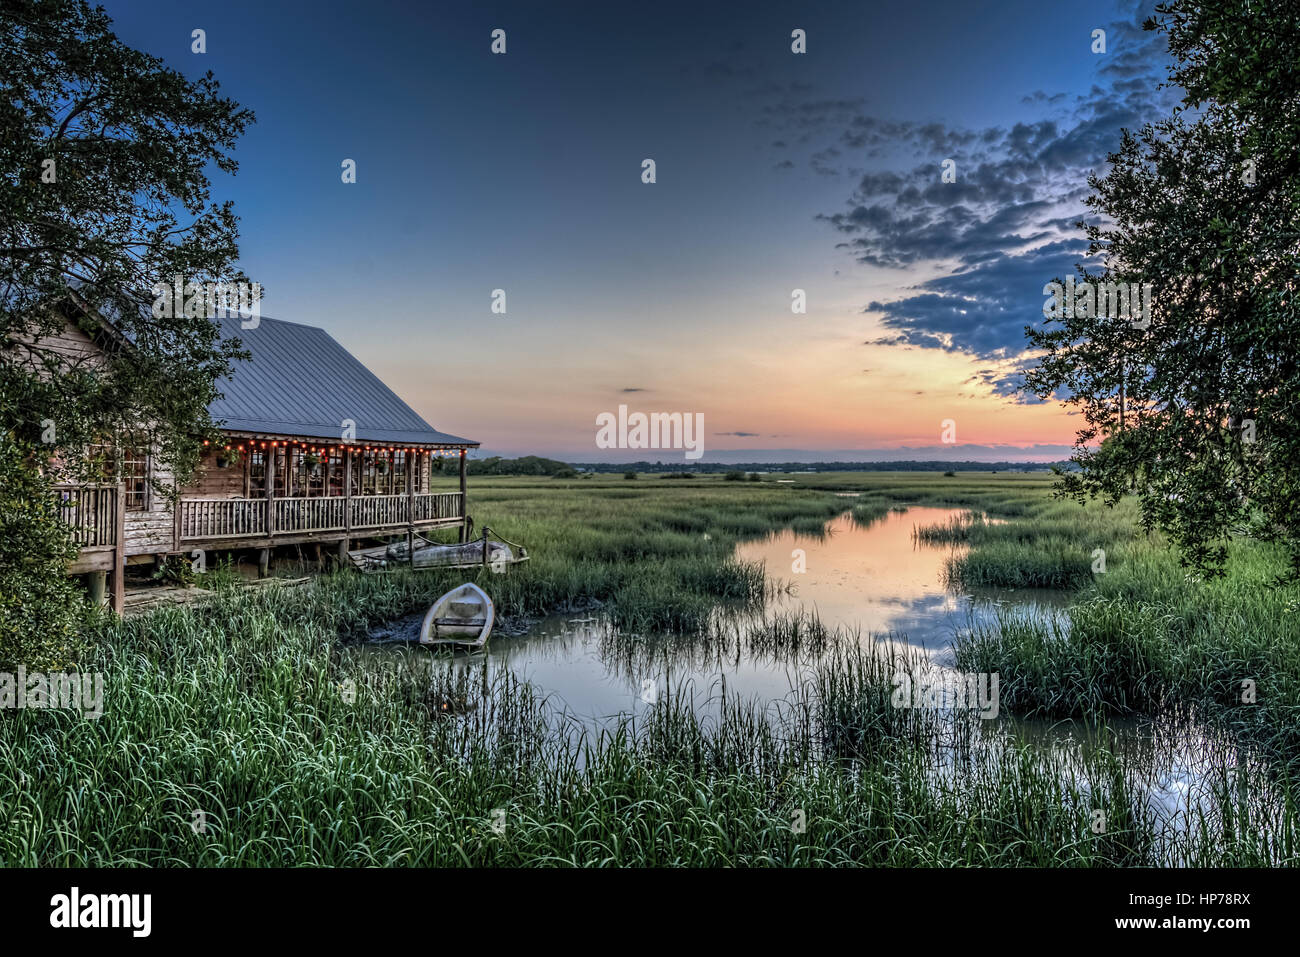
point(775, 171)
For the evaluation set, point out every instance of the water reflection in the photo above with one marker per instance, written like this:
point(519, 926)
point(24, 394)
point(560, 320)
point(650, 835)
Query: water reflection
point(873, 578)
point(879, 580)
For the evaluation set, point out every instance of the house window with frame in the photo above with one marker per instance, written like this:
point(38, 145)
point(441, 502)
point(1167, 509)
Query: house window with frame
point(383, 472)
point(420, 482)
point(296, 473)
point(334, 472)
point(134, 468)
point(400, 464)
point(256, 473)
point(316, 466)
point(126, 461)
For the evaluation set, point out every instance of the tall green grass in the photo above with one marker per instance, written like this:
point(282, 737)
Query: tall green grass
point(1148, 636)
point(242, 731)
point(238, 733)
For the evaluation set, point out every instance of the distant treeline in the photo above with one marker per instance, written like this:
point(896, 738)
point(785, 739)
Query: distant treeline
point(714, 467)
point(536, 465)
point(528, 465)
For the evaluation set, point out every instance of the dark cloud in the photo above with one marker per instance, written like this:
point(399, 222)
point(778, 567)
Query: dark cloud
point(981, 309)
point(822, 159)
point(743, 435)
point(807, 117)
point(1007, 225)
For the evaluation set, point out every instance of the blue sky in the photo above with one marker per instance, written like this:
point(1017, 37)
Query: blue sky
point(775, 171)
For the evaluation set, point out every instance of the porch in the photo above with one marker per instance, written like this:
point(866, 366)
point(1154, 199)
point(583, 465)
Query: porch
point(254, 522)
point(96, 515)
point(260, 491)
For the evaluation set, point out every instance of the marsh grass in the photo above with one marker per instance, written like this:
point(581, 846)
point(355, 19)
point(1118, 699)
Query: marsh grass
point(293, 753)
point(241, 734)
point(1182, 642)
point(244, 730)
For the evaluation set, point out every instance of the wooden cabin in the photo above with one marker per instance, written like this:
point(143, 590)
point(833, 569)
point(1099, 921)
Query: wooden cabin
point(315, 449)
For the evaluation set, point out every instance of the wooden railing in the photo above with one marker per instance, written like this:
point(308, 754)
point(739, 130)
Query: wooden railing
point(432, 506)
point(91, 510)
point(246, 517)
point(378, 511)
point(327, 514)
point(222, 518)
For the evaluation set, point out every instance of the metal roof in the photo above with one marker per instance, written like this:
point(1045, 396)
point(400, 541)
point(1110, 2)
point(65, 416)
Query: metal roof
point(301, 382)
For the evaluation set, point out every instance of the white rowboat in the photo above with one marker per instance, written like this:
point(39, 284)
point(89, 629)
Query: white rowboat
point(463, 617)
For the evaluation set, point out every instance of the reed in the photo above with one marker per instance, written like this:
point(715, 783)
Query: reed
point(246, 730)
point(241, 734)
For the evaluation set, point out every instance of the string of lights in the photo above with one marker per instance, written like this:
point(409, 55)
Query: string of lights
point(253, 445)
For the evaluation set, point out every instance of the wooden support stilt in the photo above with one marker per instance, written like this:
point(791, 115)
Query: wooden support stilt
point(272, 458)
point(97, 591)
point(263, 562)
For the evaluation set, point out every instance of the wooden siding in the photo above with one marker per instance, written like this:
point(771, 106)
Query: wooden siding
point(76, 348)
point(212, 481)
point(150, 531)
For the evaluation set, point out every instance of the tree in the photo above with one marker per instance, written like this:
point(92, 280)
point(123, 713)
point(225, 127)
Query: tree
point(1196, 408)
point(40, 607)
point(104, 154)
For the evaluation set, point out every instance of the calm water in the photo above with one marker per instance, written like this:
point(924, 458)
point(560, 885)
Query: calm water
point(876, 579)
point(879, 580)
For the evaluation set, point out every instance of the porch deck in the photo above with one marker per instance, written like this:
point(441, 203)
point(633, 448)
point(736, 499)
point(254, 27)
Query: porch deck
point(96, 516)
point(246, 522)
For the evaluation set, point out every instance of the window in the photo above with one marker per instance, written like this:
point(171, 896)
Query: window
point(399, 465)
point(315, 471)
point(125, 461)
point(257, 474)
point(135, 473)
point(298, 473)
point(378, 472)
point(334, 472)
point(280, 471)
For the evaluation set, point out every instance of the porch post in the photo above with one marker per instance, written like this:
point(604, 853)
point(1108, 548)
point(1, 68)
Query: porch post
point(410, 508)
point(347, 499)
point(271, 458)
point(464, 502)
point(177, 511)
point(117, 599)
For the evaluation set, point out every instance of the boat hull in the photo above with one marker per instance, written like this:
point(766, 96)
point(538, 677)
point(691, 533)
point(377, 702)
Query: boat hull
point(462, 617)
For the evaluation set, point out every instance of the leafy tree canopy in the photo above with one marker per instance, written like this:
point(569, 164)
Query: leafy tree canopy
point(105, 154)
point(1199, 405)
